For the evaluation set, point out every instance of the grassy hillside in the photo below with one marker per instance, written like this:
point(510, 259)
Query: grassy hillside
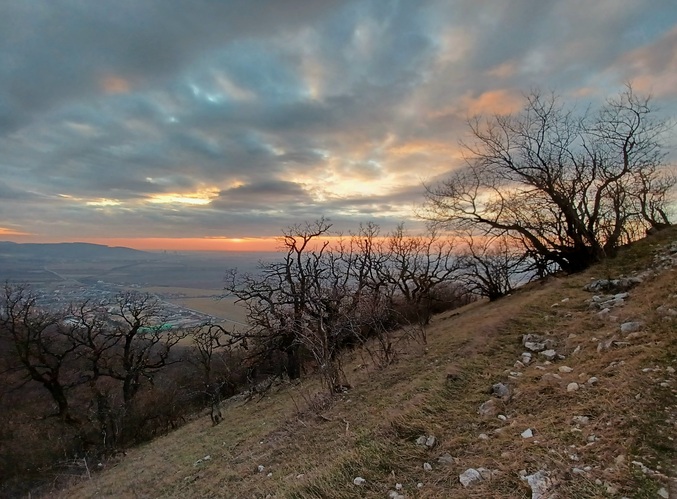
point(610, 437)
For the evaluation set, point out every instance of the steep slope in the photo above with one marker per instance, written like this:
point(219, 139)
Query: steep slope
point(602, 413)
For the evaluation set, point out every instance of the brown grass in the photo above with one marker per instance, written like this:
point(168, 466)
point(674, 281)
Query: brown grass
point(315, 450)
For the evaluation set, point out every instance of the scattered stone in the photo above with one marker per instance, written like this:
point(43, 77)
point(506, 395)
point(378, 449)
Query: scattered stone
point(427, 467)
point(419, 485)
point(622, 284)
point(536, 342)
point(196, 463)
point(398, 486)
point(526, 358)
point(548, 376)
point(576, 350)
point(528, 433)
point(631, 327)
point(670, 369)
point(539, 483)
point(269, 475)
point(662, 492)
point(605, 345)
point(577, 471)
point(445, 459)
point(502, 417)
point(549, 354)
point(572, 387)
point(483, 436)
point(501, 391)
point(666, 311)
point(261, 468)
point(426, 441)
point(488, 408)
point(469, 477)
point(565, 369)
point(359, 480)
point(582, 420)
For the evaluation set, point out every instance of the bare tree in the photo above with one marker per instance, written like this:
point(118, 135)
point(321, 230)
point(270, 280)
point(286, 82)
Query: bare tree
point(330, 319)
point(144, 344)
point(212, 344)
point(40, 347)
point(493, 265)
point(376, 316)
point(89, 331)
point(277, 297)
point(573, 187)
point(417, 266)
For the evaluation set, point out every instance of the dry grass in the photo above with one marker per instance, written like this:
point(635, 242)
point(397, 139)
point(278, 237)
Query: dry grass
point(314, 448)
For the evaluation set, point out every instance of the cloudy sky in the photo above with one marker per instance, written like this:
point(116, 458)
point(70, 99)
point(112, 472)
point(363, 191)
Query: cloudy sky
point(200, 123)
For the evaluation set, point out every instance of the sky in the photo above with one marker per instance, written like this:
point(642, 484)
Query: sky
point(207, 124)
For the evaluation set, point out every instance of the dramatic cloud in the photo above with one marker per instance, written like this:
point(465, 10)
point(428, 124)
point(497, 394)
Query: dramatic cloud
point(171, 119)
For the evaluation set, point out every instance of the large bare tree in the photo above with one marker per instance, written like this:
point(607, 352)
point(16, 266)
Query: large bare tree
point(572, 186)
point(277, 296)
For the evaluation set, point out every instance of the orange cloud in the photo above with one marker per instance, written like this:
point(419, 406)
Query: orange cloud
point(505, 70)
point(652, 69)
point(5, 231)
point(115, 85)
point(501, 101)
point(425, 147)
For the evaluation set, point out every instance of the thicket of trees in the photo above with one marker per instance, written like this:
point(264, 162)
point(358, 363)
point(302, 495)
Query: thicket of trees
point(325, 296)
point(544, 190)
point(87, 380)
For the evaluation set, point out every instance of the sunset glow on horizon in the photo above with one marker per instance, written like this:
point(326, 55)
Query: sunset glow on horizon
point(161, 243)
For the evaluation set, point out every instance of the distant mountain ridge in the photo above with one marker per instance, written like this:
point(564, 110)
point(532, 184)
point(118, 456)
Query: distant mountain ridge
point(69, 251)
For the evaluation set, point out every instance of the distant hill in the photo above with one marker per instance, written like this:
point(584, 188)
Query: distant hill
point(70, 251)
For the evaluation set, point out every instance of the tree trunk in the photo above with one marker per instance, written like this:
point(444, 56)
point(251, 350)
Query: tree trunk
point(293, 362)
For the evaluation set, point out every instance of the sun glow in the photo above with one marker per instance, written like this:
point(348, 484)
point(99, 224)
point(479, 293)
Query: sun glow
point(200, 198)
point(104, 202)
